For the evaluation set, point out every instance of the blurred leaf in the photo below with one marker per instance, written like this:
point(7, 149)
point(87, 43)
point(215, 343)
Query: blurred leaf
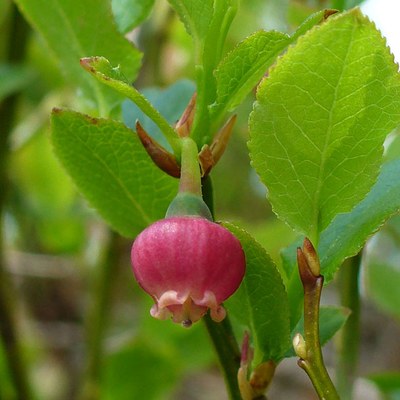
point(382, 267)
point(383, 281)
point(4, 8)
point(109, 165)
point(139, 371)
point(130, 13)
point(347, 233)
point(261, 302)
point(388, 383)
point(102, 70)
point(331, 319)
point(321, 117)
point(13, 78)
point(76, 29)
point(44, 201)
point(170, 102)
point(273, 235)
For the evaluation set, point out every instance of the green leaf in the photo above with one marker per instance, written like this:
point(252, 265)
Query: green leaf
point(208, 55)
point(111, 76)
point(331, 319)
point(112, 170)
point(320, 120)
point(14, 78)
point(76, 29)
point(130, 13)
point(196, 16)
point(347, 233)
point(239, 72)
point(261, 302)
point(244, 66)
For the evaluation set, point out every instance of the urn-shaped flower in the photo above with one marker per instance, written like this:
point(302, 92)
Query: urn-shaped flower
point(188, 265)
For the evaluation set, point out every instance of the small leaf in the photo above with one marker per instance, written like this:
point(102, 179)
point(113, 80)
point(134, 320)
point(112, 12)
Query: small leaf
point(240, 71)
point(245, 65)
point(347, 233)
point(261, 302)
point(111, 76)
point(130, 13)
point(331, 319)
point(110, 167)
point(76, 29)
point(321, 117)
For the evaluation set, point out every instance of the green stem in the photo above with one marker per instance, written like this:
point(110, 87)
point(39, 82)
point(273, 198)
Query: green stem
point(190, 180)
point(97, 320)
point(228, 353)
point(15, 53)
point(349, 338)
point(221, 333)
point(309, 347)
point(313, 364)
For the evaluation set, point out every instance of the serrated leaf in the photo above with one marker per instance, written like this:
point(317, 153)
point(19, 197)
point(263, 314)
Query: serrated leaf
point(130, 13)
point(76, 29)
point(320, 120)
point(347, 233)
point(240, 71)
point(331, 319)
point(112, 170)
point(196, 16)
point(261, 302)
point(111, 76)
point(244, 66)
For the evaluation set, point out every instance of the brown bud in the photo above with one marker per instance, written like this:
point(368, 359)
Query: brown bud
point(185, 122)
point(206, 160)
point(261, 377)
point(210, 154)
point(160, 156)
point(221, 139)
point(311, 257)
point(307, 277)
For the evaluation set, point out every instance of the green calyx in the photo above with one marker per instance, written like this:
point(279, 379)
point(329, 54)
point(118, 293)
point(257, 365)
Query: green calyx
point(189, 201)
point(187, 204)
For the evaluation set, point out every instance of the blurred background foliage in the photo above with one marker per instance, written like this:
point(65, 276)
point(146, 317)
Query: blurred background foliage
point(56, 251)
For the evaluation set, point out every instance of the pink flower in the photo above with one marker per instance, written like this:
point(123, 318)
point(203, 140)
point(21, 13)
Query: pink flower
point(188, 265)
